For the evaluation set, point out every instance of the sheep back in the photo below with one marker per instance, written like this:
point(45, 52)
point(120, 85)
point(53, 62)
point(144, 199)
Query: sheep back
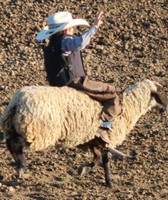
point(47, 116)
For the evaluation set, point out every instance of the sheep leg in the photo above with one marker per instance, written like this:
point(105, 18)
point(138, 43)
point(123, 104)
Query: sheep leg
point(105, 161)
point(97, 156)
point(117, 153)
point(96, 162)
point(15, 147)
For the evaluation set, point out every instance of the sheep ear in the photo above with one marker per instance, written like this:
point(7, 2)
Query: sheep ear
point(160, 96)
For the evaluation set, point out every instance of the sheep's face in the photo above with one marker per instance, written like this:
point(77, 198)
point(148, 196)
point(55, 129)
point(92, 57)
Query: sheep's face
point(158, 93)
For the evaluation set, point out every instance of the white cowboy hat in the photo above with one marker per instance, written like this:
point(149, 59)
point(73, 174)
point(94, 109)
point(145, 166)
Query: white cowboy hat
point(58, 22)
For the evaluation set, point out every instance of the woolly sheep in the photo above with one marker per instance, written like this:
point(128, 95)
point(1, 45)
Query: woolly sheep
point(41, 116)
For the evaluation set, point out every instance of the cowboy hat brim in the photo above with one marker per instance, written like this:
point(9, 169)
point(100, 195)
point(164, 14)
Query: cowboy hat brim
point(46, 32)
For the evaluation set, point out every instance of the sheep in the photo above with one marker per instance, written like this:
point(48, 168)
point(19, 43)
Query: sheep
point(41, 116)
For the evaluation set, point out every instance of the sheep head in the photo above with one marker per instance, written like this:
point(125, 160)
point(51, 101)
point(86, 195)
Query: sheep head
point(158, 93)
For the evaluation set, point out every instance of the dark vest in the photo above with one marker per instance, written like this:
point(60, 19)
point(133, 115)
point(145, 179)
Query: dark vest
point(75, 59)
point(54, 61)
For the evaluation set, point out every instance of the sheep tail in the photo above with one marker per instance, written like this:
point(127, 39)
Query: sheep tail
point(6, 122)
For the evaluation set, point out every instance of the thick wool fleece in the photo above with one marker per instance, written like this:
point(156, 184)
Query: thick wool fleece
point(47, 116)
point(137, 101)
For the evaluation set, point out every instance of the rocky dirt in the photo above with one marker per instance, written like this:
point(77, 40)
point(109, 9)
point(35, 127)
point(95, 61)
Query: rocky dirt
point(131, 45)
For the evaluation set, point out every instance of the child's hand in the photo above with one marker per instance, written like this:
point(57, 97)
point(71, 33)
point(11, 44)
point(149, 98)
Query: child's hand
point(98, 21)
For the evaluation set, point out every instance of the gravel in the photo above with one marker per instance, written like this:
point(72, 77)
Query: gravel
point(131, 45)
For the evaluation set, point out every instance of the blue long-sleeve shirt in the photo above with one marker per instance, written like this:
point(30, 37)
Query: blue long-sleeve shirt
point(71, 43)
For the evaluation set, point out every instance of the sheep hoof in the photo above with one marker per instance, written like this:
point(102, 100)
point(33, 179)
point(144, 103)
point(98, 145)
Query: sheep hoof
point(108, 184)
point(133, 154)
point(20, 172)
point(84, 170)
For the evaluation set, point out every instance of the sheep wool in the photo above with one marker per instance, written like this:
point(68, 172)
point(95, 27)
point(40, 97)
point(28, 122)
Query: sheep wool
point(136, 103)
point(45, 115)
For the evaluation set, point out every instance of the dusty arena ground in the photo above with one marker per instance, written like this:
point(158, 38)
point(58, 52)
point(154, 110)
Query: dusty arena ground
point(131, 45)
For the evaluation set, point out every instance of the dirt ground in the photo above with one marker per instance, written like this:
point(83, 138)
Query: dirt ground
point(131, 45)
